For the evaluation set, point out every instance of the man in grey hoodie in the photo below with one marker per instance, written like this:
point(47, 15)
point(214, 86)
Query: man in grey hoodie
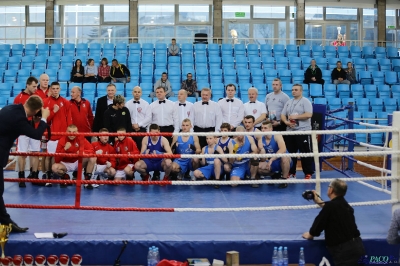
point(163, 82)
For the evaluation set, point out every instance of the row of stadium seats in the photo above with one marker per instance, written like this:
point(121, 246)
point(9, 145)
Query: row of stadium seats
point(97, 49)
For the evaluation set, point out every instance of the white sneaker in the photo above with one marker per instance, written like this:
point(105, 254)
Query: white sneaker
point(95, 185)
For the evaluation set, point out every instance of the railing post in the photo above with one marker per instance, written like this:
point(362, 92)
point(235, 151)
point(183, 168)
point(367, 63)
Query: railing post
point(395, 159)
point(79, 174)
point(351, 135)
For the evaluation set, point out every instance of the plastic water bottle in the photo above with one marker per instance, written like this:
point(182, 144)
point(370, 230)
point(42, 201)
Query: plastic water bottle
point(156, 255)
point(275, 257)
point(150, 257)
point(302, 260)
point(285, 257)
point(280, 257)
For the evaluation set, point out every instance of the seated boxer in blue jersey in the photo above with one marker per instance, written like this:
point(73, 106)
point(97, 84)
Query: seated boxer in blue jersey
point(211, 167)
point(273, 144)
point(242, 166)
point(223, 142)
point(185, 145)
point(248, 123)
point(154, 145)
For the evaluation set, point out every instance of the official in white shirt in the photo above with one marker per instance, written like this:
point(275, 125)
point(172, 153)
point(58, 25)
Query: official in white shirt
point(138, 109)
point(207, 115)
point(162, 113)
point(232, 108)
point(183, 108)
point(255, 108)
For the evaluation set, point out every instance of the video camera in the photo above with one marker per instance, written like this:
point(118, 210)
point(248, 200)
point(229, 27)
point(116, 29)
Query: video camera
point(308, 195)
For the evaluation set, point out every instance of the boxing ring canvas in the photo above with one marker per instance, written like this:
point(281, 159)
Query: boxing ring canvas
point(98, 235)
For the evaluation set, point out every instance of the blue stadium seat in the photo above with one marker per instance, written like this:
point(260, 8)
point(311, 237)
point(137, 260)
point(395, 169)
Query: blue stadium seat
point(214, 49)
point(5, 50)
point(368, 52)
point(214, 62)
point(257, 75)
point(64, 75)
point(56, 49)
point(173, 62)
point(40, 62)
point(226, 49)
point(332, 62)
point(391, 78)
point(281, 62)
point(252, 50)
point(186, 49)
point(343, 52)
point(201, 85)
point(270, 75)
point(23, 75)
point(372, 64)
point(343, 90)
point(392, 52)
point(364, 77)
point(355, 51)
point(376, 104)
point(291, 50)
point(239, 49)
point(390, 105)
point(241, 62)
point(304, 50)
point(265, 50)
point(202, 75)
point(362, 105)
point(10, 75)
point(378, 78)
point(316, 90)
point(370, 91)
point(134, 61)
point(320, 101)
point(385, 64)
point(295, 63)
point(43, 49)
point(321, 62)
point(53, 61)
point(228, 61)
point(382, 118)
point(357, 91)
point(384, 91)
point(268, 62)
point(262, 89)
point(94, 49)
point(254, 62)
point(287, 88)
point(329, 90)
point(243, 75)
point(30, 49)
point(147, 75)
point(200, 49)
point(360, 64)
point(17, 49)
point(229, 75)
point(52, 73)
point(134, 49)
point(215, 75)
point(330, 51)
point(69, 49)
point(18, 88)
point(285, 75)
point(161, 61)
point(346, 101)
point(326, 75)
point(160, 48)
point(380, 52)
point(14, 62)
point(334, 103)
point(297, 76)
point(121, 48)
point(317, 51)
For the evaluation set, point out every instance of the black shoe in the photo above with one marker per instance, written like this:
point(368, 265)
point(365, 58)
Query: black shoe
point(156, 176)
point(88, 186)
point(15, 227)
point(284, 185)
point(216, 186)
point(255, 185)
point(63, 185)
point(21, 175)
point(187, 175)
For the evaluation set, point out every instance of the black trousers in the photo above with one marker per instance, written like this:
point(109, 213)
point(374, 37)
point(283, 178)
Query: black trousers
point(280, 127)
point(202, 139)
point(167, 129)
point(303, 144)
point(348, 253)
point(138, 140)
point(4, 216)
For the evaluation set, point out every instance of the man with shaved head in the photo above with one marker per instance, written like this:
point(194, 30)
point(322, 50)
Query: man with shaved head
point(138, 109)
point(43, 87)
point(255, 108)
point(183, 108)
point(81, 111)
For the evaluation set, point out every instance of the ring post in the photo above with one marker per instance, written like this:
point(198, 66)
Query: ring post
point(395, 159)
point(79, 175)
point(389, 157)
point(314, 140)
point(351, 136)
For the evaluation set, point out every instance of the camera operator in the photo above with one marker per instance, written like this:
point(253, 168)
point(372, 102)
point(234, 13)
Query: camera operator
point(337, 220)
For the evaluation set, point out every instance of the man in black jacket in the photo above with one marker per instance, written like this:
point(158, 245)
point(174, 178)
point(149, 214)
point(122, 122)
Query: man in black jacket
point(102, 105)
point(119, 72)
point(337, 219)
point(14, 122)
point(339, 75)
point(313, 74)
point(117, 116)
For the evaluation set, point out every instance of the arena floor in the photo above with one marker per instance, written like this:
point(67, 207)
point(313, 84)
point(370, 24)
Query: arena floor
point(98, 235)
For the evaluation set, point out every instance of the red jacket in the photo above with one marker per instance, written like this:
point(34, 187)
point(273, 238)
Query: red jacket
point(107, 149)
point(21, 98)
point(126, 146)
point(42, 94)
point(87, 149)
point(82, 115)
point(60, 120)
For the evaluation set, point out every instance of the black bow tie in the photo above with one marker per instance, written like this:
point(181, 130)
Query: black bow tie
point(252, 102)
point(160, 102)
point(229, 100)
point(184, 104)
point(136, 102)
point(203, 103)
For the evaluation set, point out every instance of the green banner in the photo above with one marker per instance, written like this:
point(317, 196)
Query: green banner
point(391, 27)
point(240, 14)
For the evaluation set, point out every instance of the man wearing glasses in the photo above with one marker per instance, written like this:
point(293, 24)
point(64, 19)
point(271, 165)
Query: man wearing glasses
point(190, 85)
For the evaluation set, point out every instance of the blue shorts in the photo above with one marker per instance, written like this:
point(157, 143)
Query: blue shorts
point(276, 165)
point(208, 170)
point(153, 165)
point(184, 164)
point(241, 170)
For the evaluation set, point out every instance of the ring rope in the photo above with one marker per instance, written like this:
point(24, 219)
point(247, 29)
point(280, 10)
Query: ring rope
point(374, 187)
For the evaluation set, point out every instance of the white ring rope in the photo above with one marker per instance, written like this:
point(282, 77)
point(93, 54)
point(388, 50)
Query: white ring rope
point(374, 146)
point(280, 181)
point(279, 208)
point(372, 125)
point(374, 187)
point(373, 167)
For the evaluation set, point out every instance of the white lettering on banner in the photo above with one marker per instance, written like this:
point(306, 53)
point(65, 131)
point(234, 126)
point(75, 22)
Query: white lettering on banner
point(324, 262)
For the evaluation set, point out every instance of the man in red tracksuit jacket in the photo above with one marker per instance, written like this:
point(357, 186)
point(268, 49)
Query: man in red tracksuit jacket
point(60, 118)
point(105, 165)
point(81, 111)
point(71, 144)
point(125, 166)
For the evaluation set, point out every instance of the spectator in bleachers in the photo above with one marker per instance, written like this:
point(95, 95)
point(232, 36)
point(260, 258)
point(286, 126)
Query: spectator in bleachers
point(164, 83)
point(351, 73)
point(102, 105)
point(255, 108)
point(313, 74)
point(138, 109)
point(43, 87)
point(119, 73)
point(103, 72)
point(232, 108)
point(183, 108)
point(117, 115)
point(275, 102)
point(77, 72)
point(207, 115)
point(173, 49)
point(339, 75)
point(90, 72)
point(190, 85)
point(81, 111)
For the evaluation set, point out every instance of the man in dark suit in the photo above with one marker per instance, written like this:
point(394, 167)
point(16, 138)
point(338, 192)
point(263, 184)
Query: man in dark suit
point(14, 122)
point(101, 106)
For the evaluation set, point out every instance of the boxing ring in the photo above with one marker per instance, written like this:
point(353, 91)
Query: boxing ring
point(192, 219)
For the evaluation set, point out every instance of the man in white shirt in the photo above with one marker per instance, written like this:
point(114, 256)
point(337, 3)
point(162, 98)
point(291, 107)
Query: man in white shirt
point(255, 108)
point(207, 115)
point(183, 108)
point(275, 101)
point(138, 109)
point(232, 108)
